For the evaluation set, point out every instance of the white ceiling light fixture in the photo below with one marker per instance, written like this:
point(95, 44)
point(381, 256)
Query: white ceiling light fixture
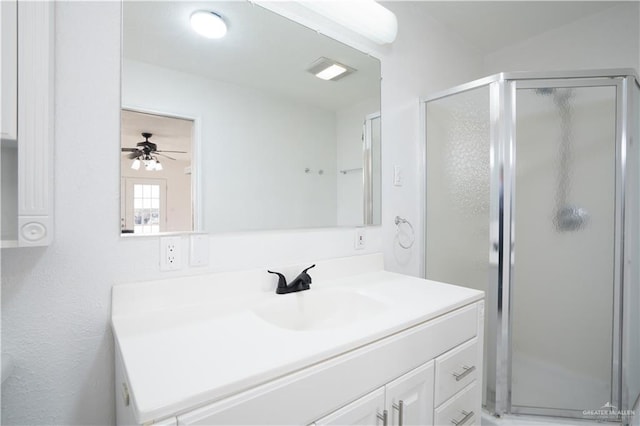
point(328, 69)
point(208, 24)
point(365, 17)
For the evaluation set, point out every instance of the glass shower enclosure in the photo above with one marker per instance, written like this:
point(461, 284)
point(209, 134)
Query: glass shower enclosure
point(532, 184)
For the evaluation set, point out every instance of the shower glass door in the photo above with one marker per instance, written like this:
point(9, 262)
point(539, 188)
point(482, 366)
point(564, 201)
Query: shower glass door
point(564, 218)
point(458, 193)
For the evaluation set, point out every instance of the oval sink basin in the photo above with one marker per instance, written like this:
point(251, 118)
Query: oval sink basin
point(317, 310)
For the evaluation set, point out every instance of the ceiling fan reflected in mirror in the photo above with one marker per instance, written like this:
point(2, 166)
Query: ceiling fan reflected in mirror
point(146, 153)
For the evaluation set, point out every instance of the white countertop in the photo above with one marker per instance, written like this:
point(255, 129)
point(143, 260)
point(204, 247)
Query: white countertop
point(180, 357)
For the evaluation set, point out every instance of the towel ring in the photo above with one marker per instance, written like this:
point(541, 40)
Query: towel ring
point(399, 220)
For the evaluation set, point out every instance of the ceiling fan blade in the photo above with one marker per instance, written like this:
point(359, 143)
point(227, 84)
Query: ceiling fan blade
point(129, 149)
point(177, 152)
point(134, 155)
point(164, 155)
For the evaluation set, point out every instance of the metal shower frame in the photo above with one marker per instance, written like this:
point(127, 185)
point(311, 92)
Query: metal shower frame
point(502, 89)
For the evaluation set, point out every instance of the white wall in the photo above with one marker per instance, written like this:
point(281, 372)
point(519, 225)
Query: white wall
point(254, 149)
point(425, 58)
point(609, 39)
point(56, 300)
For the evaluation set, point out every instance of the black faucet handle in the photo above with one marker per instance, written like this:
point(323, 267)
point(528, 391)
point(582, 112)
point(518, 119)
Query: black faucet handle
point(282, 281)
point(304, 277)
point(305, 271)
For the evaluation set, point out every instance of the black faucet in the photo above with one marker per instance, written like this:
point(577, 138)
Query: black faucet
point(299, 283)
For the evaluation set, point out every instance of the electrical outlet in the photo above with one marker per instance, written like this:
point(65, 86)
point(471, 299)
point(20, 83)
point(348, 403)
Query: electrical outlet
point(359, 241)
point(170, 250)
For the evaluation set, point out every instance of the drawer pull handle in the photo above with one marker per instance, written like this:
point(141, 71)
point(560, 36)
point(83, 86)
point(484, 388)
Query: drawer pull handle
point(465, 372)
point(466, 418)
point(384, 416)
point(400, 407)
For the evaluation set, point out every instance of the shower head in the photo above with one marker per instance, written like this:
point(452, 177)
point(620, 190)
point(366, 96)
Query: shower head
point(571, 219)
point(545, 91)
point(560, 95)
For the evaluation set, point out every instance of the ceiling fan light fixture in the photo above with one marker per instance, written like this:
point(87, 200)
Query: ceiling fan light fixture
point(208, 24)
point(136, 164)
point(158, 166)
point(150, 164)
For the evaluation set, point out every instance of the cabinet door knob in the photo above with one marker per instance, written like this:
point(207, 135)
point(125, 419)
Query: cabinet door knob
point(465, 372)
point(466, 418)
point(400, 407)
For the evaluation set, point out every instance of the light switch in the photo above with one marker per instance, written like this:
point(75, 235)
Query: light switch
point(199, 250)
point(359, 242)
point(397, 176)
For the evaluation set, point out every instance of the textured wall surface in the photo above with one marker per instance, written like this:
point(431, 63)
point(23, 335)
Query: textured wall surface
point(609, 39)
point(56, 300)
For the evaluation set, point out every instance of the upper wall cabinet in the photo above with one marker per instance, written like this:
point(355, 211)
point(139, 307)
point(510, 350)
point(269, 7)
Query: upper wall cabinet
point(27, 122)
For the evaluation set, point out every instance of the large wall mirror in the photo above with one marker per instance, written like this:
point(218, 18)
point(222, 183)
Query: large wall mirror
point(240, 133)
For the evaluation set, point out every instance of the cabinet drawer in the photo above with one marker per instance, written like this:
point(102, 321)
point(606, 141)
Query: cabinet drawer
point(461, 409)
point(455, 370)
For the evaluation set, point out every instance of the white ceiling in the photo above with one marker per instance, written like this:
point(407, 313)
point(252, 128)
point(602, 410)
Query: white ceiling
point(492, 25)
point(261, 50)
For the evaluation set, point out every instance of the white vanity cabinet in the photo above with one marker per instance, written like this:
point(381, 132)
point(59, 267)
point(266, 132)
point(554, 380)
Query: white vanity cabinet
point(415, 361)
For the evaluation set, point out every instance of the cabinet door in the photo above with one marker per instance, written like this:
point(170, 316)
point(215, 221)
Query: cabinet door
point(9, 64)
point(410, 397)
point(364, 411)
